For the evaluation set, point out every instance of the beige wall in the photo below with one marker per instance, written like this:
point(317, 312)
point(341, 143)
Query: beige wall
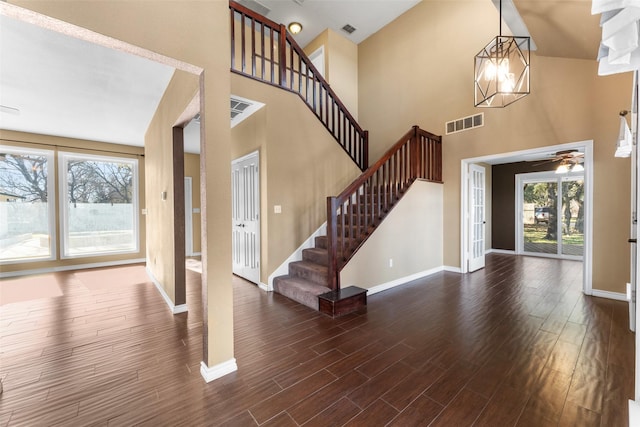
point(301, 165)
point(57, 144)
point(162, 27)
point(416, 73)
point(192, 169)
point(341, 66)
point(411, 235)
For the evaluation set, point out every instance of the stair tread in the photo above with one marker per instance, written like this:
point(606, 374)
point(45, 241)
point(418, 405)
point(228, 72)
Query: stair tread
point(315, 250)
point(302, 284)
point(311, 266)
point(300, 290)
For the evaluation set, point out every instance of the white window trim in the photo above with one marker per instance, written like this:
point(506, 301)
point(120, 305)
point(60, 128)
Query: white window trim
point(51, 198)
point(63, 159)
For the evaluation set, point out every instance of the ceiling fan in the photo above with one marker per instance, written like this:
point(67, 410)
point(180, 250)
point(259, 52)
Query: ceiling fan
point(567, 157)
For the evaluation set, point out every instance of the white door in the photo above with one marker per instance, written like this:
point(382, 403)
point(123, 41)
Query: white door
point(188, 217)
point(476, 217)
point(245, 184)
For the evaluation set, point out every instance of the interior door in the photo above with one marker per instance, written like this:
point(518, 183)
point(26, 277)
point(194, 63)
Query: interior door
point(245, 182)
point(477, 219)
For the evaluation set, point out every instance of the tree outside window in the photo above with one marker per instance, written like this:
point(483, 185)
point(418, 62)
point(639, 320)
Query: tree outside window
point(100, 205)
point(26, 216)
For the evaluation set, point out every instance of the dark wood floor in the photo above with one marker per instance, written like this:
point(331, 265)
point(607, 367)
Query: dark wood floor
point(513, 344)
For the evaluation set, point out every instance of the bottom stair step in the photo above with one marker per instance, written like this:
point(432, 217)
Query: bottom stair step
point(299, 290)
point(343, 301)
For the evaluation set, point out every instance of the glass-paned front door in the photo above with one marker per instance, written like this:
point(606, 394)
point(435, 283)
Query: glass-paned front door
point(552, 215)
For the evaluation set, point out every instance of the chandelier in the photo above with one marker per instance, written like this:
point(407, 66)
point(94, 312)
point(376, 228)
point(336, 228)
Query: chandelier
point(501, 70)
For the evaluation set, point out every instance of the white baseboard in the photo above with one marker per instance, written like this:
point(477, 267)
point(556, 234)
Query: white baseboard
point(71, 267)
point(283, 269)
point(175, 309)
point(501, 251)
point(220, 370)
point(403, 280)
point(618, 296)
point(452, 269)
point(265, 287)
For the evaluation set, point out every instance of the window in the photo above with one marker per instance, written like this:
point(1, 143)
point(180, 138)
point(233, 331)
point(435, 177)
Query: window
point(99, 205)
point(26, 205)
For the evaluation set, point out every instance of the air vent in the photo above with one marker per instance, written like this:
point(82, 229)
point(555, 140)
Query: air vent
point(465, 123)
point(348, 29)
point(255, 6)
point(299, 2)
point(241, 108)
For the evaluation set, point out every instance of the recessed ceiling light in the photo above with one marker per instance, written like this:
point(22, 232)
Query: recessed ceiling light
point(9, 110)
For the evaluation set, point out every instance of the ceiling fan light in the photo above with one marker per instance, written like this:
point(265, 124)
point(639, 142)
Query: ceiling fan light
point(577, 168)
point(563, 168)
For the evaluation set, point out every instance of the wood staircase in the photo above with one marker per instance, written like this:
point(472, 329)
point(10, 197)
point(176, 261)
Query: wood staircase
point(264, 50)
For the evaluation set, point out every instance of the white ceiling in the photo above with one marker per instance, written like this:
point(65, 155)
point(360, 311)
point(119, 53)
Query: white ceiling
point(367, 16)
point(68, 87)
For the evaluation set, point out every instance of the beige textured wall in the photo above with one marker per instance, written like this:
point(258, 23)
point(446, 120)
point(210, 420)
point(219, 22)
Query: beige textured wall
point(341, 66)
point(180, 29)
point(411, 235)
point(56, 144)
point(301, 165)
point(159, 163)
point(192, 169)
point(418, 70)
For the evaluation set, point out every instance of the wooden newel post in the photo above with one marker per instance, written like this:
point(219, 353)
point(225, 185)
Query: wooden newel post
point(332, 243)
point(282, 56)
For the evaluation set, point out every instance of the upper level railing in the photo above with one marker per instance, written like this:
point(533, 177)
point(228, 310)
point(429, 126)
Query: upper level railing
point(352, 216)
point(264, 50)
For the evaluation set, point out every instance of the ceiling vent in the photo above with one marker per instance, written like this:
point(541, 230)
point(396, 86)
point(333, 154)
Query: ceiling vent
point(348, 29)
point(465, 123)
point(238, 106)
point(299, 2)
point(255, 6)
point(241, 108)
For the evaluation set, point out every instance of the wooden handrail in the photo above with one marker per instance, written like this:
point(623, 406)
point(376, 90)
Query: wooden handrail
point(264, 50)
point(354, 213)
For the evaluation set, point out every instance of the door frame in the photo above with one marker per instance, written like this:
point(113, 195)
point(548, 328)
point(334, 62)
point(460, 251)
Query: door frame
point(255, 154)
point(586, 147)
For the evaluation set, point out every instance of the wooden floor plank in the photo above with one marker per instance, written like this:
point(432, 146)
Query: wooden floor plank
point(516, 343)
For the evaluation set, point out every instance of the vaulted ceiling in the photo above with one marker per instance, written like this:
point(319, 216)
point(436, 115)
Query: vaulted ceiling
point(68, 87)
point(562, 28)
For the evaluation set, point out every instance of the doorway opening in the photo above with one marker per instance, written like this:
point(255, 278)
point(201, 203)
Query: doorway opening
point(466, 213)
